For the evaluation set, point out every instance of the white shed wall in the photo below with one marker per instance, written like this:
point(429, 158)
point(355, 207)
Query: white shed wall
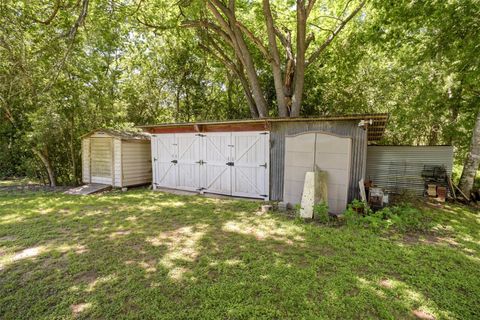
point(101, 157)
point(86, 160)
point(136, 163)
point(117, 162)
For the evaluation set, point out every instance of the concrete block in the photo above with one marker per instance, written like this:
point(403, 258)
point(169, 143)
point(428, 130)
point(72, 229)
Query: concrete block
point(315, 190)
point(308, 196)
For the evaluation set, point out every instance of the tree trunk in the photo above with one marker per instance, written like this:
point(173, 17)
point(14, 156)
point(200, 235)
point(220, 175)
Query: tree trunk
point(248, 95)
point(275, 61)
point(472, 161)
point(241, 51)
point(288, 87)
point(299, 76)
point(48, 167)
point(73, 151)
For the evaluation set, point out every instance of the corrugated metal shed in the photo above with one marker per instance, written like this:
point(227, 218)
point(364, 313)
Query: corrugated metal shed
point(360, 128)
point(399, 168)
point(350, 128)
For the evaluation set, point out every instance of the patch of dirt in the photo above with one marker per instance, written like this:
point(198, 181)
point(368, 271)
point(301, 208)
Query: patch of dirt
point(420, 314)
point(429, 238)
point(87, 277)
point(79, 308)
point(386, 283)
point(116, 234)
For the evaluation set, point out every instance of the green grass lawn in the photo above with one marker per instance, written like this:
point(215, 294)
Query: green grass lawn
point(146, 255)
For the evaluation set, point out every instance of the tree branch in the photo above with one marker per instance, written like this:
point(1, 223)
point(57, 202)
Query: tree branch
point(286, 41)
point(314, 56)
point(52, 15)
point(80, 20)
point(310, 5)
point(71, 34)
point(259, 44)
point(331, 17)
point(209, 26)
point(151, 25)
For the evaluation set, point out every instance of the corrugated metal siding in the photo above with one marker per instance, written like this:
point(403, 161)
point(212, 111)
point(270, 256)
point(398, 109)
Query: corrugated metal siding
point(399, 168)
point(280, 130)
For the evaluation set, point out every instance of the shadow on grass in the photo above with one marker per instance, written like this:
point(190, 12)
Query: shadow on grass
point(152, 255)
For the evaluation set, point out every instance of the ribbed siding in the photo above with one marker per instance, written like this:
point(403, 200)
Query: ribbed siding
point(86, 160)
point(399, 168)
point(280, 130)
point(136, 163)
point(117, 162)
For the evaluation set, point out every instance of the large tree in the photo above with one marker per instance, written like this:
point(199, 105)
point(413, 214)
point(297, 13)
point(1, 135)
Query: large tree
point(288, 37)
point(472, 160)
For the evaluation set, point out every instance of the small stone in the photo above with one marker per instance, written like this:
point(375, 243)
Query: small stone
point(124, 189)
point(267, 207)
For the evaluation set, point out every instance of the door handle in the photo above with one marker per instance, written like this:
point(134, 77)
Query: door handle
point(174, 161)
point(230, 163)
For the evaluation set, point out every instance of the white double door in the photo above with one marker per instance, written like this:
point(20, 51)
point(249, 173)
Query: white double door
point(231, 163)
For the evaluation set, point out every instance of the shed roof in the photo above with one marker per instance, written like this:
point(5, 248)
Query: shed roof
point(121, 134)
point(376, 123)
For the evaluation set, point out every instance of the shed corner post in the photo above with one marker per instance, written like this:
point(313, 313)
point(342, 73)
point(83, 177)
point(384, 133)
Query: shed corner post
point(120, 164)
point(89, 160)
point(112, 163)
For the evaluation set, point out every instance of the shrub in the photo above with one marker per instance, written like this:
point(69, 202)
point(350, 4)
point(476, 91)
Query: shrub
point(403, 218)
point(320, 212)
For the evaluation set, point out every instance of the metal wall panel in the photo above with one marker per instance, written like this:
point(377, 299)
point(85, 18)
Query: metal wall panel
point(399, 168)
point(350, 129)
point(332, 154)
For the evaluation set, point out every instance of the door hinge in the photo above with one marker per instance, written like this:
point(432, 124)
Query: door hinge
point(264, 165)
point(154, 159)
point(174, 161)
point(200, 135)
point(263, 132)
point(263, 195)
point(201, 188)
point(200, 162)
point(230, 163)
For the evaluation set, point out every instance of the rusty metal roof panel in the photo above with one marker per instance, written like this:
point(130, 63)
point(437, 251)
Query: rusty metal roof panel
point(375, 122)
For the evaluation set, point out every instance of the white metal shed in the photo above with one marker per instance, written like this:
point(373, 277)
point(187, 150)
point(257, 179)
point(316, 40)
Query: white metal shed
point(117, 158)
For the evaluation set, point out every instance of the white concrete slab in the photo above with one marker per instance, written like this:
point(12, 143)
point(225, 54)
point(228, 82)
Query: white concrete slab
point(88, 189)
